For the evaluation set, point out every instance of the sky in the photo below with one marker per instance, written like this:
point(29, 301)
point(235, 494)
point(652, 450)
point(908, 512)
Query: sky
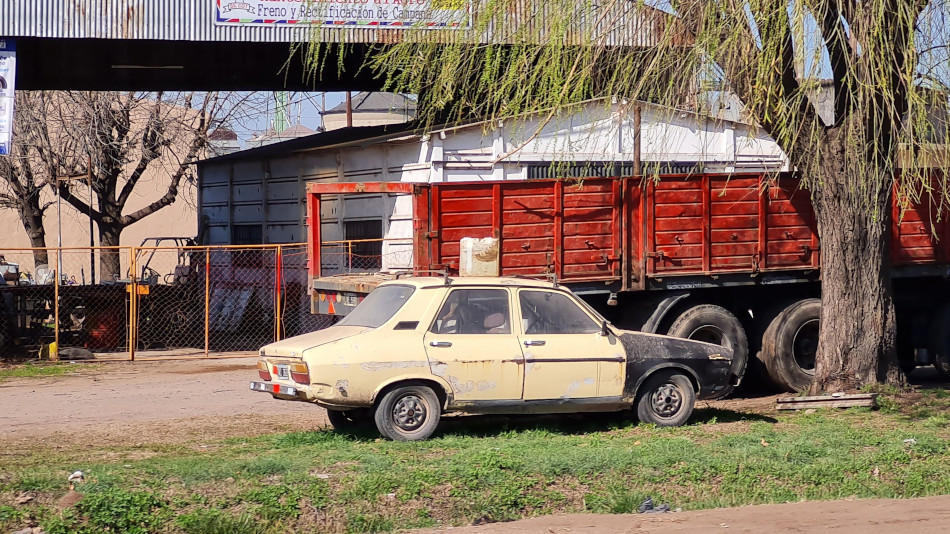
point(256, 114)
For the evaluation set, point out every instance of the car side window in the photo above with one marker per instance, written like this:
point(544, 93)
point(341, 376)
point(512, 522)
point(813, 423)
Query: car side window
point(474, 311)
point(552, 312)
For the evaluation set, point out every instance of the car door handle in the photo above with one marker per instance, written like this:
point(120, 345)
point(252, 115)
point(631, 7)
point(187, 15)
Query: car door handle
point(440, 343)
point(529, 343)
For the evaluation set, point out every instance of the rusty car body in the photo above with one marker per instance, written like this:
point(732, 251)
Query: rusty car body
point(419, 347)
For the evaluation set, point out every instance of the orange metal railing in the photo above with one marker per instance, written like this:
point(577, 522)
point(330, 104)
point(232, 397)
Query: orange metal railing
point(153, 302)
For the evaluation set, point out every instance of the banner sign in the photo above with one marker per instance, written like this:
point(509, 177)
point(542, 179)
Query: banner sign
point(388, 14)
point(7, 79)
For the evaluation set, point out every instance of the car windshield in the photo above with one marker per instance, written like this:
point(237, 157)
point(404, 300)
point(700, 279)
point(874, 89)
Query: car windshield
point(378, 307)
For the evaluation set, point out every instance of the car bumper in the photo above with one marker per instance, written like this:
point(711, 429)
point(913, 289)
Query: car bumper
point(282, 391)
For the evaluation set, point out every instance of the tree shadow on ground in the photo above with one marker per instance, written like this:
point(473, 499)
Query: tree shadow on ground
point(721, 415)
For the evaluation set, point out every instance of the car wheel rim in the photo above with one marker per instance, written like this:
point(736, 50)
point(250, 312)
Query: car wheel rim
point(409, 413)
point(667, 400)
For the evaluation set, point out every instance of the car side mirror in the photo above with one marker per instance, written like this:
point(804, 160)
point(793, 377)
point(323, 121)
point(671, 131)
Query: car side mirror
point(604, 331)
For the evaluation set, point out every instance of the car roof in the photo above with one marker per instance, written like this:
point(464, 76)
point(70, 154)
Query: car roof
point(461, 281)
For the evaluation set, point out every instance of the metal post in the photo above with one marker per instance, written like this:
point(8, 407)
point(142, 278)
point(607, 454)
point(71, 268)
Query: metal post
point(637, 121)
point(349, 109)
point(349, 256)
point(278, 279)
point(59, 230)
point(207, 301)
point(92, 241)
point(54, 354)
point(133, 306)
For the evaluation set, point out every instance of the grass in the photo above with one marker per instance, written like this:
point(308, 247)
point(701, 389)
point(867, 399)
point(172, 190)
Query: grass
point(485, 469)
point(45, 369)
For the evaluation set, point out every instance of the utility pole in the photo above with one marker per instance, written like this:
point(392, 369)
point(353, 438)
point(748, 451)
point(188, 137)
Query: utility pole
point(349, 109)
point(92, 240)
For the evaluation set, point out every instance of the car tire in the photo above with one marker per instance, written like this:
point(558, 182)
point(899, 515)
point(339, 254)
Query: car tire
point(939, 341)
point(715, 324)
point(666, 398)
point(408, 413)
point(789, 345)
point(347, 420)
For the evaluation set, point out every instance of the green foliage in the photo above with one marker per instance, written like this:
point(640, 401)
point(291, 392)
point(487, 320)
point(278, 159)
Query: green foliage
point(9, 515)
point(110, 510)
point(529, 467)
point(617, 500)
point(121, 511)
point(369, 523)
point(29, 370)
point(217, 522)
point(39, 481)
point(274, 502)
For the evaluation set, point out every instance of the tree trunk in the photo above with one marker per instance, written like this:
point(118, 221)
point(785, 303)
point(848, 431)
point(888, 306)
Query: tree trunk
point(109, 261)
point(858, 329)
point(32, 218)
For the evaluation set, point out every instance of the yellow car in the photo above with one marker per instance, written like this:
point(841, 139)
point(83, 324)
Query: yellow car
point(416, 348)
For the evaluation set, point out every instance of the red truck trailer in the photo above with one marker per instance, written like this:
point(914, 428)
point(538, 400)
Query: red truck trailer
point(731, 259)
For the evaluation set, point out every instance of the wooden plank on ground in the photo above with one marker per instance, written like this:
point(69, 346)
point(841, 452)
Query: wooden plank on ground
point(827, 401)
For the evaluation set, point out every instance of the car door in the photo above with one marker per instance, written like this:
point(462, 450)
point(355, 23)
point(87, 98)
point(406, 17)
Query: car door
point(471, 344)
point(566, 354)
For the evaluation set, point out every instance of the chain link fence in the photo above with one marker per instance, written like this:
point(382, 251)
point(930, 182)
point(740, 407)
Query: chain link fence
point(365, 256)
point(79, 312)
point(153, 302)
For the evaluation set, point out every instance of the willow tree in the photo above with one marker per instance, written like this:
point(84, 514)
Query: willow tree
point(523, 56)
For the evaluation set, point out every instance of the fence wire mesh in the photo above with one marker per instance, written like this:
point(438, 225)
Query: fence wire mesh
point(81, 311)
point(365, 256)
point(150, 302)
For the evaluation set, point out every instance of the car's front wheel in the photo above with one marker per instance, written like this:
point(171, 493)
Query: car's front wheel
point(666, 399)
point(408, 413)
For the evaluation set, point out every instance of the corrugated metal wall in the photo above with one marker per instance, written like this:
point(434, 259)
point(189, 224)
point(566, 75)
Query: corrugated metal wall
point(175, 20)
point(193, 20)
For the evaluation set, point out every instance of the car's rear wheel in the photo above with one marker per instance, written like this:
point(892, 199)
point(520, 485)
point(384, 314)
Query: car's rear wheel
point(666, 399)
point(345, 420)
point(408, 413)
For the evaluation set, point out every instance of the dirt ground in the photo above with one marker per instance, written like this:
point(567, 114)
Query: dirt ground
point(144, 402)
point(188, 401)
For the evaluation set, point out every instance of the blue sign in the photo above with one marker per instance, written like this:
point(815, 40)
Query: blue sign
point(7, 82)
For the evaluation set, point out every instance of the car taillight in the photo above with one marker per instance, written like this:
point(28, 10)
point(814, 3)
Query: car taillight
point(262, 370)
point(300, 373)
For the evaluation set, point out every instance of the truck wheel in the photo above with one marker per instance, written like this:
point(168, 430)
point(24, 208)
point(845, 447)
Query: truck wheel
point(939, 341)
point(345, 420)
point(666, 399)
point(408, 413)
point(790, 343)
point(715, 324)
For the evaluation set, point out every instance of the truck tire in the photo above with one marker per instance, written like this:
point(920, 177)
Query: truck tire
point(715, 324)
point(939, 341)
point(666, 399)
point(790, 343)
point(408, 413)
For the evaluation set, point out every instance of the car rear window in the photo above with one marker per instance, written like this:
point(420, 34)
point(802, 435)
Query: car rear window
point(548, 312)
point(378, 307)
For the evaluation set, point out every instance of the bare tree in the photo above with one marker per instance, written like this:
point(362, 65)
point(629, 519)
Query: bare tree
point(31, 166)
point(127, 137)
point(526, 56)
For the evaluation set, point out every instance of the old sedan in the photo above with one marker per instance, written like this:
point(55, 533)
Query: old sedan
point(417, 348)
